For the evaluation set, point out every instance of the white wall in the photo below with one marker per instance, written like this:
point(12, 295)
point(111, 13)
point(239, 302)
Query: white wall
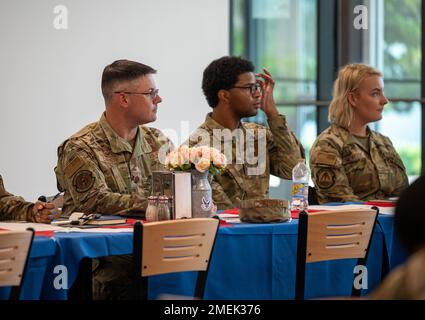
point(50, 79)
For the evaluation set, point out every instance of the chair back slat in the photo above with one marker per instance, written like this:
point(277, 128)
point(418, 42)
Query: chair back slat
point(14, 246)
point(177, 245)
point(331, 235)
point(340, 234)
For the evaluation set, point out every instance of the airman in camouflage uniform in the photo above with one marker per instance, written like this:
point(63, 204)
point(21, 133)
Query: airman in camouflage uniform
point(233, 92)
point(282, 152)
point(16, 208)
point(348, 161)
point(107, 166)
point(344, 170)
point(100, 172)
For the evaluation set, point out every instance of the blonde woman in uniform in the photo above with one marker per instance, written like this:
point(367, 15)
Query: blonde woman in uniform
point(349, 161)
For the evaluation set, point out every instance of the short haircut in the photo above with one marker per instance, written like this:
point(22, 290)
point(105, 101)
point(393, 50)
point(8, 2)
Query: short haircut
point(121, 71)
point(221, 74)
point(409, 219)
point(349, 79)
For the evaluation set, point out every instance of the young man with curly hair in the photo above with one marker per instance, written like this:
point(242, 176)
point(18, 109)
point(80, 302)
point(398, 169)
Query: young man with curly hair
point(234, 91)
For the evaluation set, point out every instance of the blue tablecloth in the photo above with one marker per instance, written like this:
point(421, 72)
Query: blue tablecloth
point(73, 247)
point(396, 253)
point(250, 261)
point(258, 262)
point(40, 260)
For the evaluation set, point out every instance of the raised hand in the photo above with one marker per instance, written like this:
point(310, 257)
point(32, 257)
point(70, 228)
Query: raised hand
point(266, 82)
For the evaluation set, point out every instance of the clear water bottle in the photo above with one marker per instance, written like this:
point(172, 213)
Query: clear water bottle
point(152, 209)
point(300, 179)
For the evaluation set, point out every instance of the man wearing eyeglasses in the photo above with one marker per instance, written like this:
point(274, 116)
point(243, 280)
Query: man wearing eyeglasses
point(234, 92)
point(107, 166)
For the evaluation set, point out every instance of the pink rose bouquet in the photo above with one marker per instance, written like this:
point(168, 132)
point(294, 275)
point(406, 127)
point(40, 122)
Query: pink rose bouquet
point(201, 158)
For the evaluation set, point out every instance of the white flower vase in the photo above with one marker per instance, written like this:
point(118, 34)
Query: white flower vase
point(202, 204)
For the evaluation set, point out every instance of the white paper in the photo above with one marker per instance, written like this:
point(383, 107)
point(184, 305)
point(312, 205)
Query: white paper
point(382, 210)
point(21, 226)
point(97, 230)
point(228, 217)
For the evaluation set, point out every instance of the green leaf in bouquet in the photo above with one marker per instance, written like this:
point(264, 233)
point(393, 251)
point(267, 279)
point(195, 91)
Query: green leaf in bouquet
point(186, 167)
point(213, 170)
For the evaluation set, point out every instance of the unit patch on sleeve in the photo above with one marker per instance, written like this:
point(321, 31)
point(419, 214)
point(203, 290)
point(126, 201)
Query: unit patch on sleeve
point(83, 181)
point(325, 178)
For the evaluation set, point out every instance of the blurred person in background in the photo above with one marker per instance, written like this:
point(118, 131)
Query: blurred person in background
point(407, 282)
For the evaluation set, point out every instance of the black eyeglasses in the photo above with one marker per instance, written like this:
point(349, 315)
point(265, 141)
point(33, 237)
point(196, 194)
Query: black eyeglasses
point(252, 87)
point(153, 93)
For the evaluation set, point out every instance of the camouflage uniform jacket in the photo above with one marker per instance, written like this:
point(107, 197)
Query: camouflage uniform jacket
point(342, 170)
point(406, 282)
point(280, 155)
point(100, 172)
point(13, 207)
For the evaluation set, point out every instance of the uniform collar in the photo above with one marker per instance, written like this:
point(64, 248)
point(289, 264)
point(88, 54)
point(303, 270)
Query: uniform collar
point(350, 139)
point(374, 136)
point(141, 146)
point(211, 124)
point(119, 145)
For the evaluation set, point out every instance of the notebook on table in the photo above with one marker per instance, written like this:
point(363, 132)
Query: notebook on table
point(106, 220)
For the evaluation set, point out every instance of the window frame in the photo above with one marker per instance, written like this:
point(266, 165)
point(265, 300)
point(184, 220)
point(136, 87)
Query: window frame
point(334, 17)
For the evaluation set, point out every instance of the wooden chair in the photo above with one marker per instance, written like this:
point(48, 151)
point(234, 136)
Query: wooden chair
point(173, 246)
point(15, 247)
point(332, 235)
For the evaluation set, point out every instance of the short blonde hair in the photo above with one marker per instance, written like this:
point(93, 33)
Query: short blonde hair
point(348, 81)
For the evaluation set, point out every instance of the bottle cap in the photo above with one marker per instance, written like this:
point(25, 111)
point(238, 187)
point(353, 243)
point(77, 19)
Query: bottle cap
point(163, 199)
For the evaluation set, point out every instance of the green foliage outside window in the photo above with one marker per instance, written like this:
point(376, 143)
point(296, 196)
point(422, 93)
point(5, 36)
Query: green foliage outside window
point(402, 62)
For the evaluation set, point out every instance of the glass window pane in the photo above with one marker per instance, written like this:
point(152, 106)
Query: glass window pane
point(395, 49)
point(238, 28)
point(402, 39)
point(394, 45)
point(284, 41)
point(301, 120)
point(401, 122)
point(283, 38)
